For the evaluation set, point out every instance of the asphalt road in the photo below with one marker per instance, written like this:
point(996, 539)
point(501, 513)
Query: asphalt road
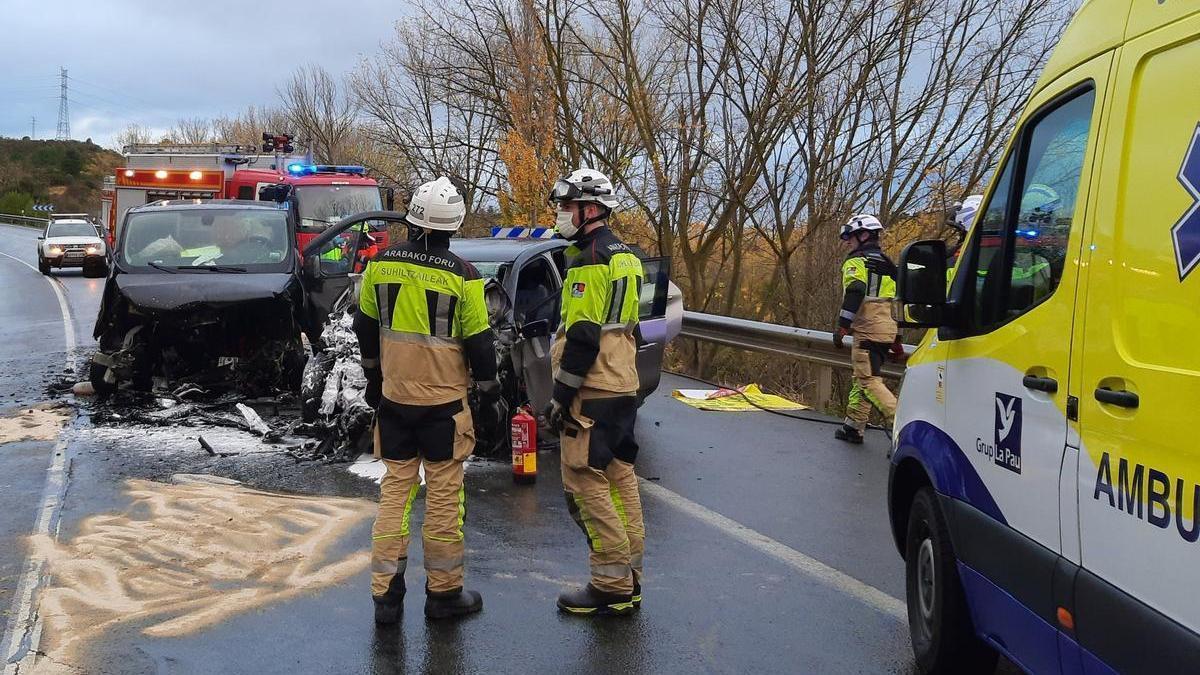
point(767, 545)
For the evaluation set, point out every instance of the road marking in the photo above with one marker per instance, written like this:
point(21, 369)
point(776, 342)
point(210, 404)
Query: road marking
point(25, 627)
point(68, 324)
point(840, 581)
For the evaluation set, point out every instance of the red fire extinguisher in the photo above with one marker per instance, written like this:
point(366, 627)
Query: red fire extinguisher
point(524, 447)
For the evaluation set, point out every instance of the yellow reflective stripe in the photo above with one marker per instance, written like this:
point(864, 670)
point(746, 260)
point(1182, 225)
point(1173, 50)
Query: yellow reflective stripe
point(618, 503)
point(448, 540)
point(462, 509)
point(593, 536)
point(408, 504)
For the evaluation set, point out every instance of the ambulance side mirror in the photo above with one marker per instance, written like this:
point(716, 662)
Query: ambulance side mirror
point(921, 284)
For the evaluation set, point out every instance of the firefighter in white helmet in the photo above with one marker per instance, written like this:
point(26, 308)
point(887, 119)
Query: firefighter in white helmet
point(594, 404)
point(422, 321)
point(868, 285)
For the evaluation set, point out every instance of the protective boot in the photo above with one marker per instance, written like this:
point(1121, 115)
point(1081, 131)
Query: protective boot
point(637, 591)
point(389, 606)
point(849, 434)
point(590, 601)
point(451, 604)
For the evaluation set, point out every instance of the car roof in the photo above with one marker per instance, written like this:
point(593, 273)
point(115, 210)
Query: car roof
point(69, 221)
point(205, 204)
point(488, 249)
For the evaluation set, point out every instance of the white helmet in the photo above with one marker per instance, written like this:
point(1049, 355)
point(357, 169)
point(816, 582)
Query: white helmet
point(863, 222)
point(436, 205)
point(584, 185)
point(964, 213)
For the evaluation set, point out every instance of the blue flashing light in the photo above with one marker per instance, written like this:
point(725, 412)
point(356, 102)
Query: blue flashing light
point(1028, 234)
point(296, 168)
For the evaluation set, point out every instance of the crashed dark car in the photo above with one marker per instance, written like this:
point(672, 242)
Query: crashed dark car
point(212, 294)
point(523, 293)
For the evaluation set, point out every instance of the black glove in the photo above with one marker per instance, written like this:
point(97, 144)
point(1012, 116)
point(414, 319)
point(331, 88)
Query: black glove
point(555, 416)
point(491, 406)
point(374, 392)
point(839, 334)
point(897, 349)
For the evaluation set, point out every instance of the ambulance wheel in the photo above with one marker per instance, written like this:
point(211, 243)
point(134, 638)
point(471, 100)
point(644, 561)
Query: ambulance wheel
point(943, 637)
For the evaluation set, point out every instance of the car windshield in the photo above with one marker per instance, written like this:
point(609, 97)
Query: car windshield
point(254, 239)
point(323, 205)
point(71, 230)
point(491, 270)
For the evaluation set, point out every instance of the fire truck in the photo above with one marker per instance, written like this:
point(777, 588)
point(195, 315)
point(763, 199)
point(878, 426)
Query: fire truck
point(319, 195)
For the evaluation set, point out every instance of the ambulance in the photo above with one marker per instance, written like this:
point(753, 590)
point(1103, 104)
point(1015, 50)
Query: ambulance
point(1045, 471)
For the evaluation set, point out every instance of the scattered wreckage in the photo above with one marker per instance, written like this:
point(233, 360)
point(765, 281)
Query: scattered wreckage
point(186, 304)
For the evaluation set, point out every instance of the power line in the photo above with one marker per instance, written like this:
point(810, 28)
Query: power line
point(33, 126)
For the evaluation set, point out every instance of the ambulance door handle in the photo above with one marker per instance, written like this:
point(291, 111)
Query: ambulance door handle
point(1046, 384)
point(1124, 399)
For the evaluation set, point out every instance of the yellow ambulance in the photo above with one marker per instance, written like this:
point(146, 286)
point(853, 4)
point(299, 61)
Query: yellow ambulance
point(1045, 482)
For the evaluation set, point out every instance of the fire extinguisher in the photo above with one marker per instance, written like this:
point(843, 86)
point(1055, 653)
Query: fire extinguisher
point(524, 447)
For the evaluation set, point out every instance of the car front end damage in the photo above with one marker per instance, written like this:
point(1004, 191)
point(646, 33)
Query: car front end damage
point(206, 329)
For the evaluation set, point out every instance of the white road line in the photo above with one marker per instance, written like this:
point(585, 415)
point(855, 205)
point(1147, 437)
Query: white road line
point(68, 324)
point(25, 626)
point(840, 581)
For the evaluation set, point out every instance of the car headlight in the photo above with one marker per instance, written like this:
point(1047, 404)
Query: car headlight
point(55, 250)
point(92, 250)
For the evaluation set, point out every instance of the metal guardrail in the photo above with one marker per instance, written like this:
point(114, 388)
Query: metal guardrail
point(806, 344)
point(26, 221)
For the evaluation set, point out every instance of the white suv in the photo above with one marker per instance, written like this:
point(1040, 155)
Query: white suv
point(72, 241)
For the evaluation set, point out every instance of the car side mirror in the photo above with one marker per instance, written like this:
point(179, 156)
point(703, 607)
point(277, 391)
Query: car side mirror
point(921, 284)
point(312, 267)
point(534, 329)
point(41, 238)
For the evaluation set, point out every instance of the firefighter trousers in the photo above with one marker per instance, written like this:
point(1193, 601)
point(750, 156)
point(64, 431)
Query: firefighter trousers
point(868, 388)
point(440, 437)
point(598, 454)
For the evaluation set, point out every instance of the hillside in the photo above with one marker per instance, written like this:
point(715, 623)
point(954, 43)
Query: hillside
point(67, 174)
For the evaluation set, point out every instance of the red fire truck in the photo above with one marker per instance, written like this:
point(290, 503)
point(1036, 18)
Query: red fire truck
point(319, 195)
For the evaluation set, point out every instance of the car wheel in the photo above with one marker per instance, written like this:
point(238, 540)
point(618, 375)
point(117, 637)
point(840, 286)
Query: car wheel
point(943, 636)
point(43, 266)
point(101, 386)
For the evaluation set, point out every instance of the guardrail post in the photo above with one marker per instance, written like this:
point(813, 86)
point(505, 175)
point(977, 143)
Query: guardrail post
point(824, 387)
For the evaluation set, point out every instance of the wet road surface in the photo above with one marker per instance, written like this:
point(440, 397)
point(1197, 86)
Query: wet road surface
point(767, 545)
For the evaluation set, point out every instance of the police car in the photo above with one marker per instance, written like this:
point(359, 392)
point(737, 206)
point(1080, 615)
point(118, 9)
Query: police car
point(71, 240)
point(1045, 483)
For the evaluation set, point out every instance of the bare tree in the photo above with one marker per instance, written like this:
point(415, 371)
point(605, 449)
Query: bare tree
point(132, 134)
point(320, 113)
point(192, 130)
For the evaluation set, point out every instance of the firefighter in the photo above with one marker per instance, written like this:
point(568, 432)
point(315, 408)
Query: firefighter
point(421, 321)
point(594, 404)
point(869, 284)
point(960, 221)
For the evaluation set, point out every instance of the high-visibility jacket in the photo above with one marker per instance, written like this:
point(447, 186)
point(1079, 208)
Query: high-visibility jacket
point(596, 345)
point(432, 320)
point(869, 287)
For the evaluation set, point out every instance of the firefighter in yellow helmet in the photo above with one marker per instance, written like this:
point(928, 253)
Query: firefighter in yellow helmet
point(422, 321)
point(868, 285)
point(594, 404)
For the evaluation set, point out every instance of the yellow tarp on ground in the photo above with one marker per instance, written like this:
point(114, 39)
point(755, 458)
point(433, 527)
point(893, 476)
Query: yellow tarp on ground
point(734, 400)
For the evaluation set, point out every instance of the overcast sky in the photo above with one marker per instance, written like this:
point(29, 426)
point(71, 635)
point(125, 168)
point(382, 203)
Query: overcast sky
point(152, 63)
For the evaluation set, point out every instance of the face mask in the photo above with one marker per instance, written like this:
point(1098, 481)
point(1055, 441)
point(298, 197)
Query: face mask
point(564, 223)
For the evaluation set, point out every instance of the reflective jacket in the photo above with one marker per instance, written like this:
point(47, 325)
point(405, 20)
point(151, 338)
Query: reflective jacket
point(868, 287)
point(596, 346)
point(428, 307)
